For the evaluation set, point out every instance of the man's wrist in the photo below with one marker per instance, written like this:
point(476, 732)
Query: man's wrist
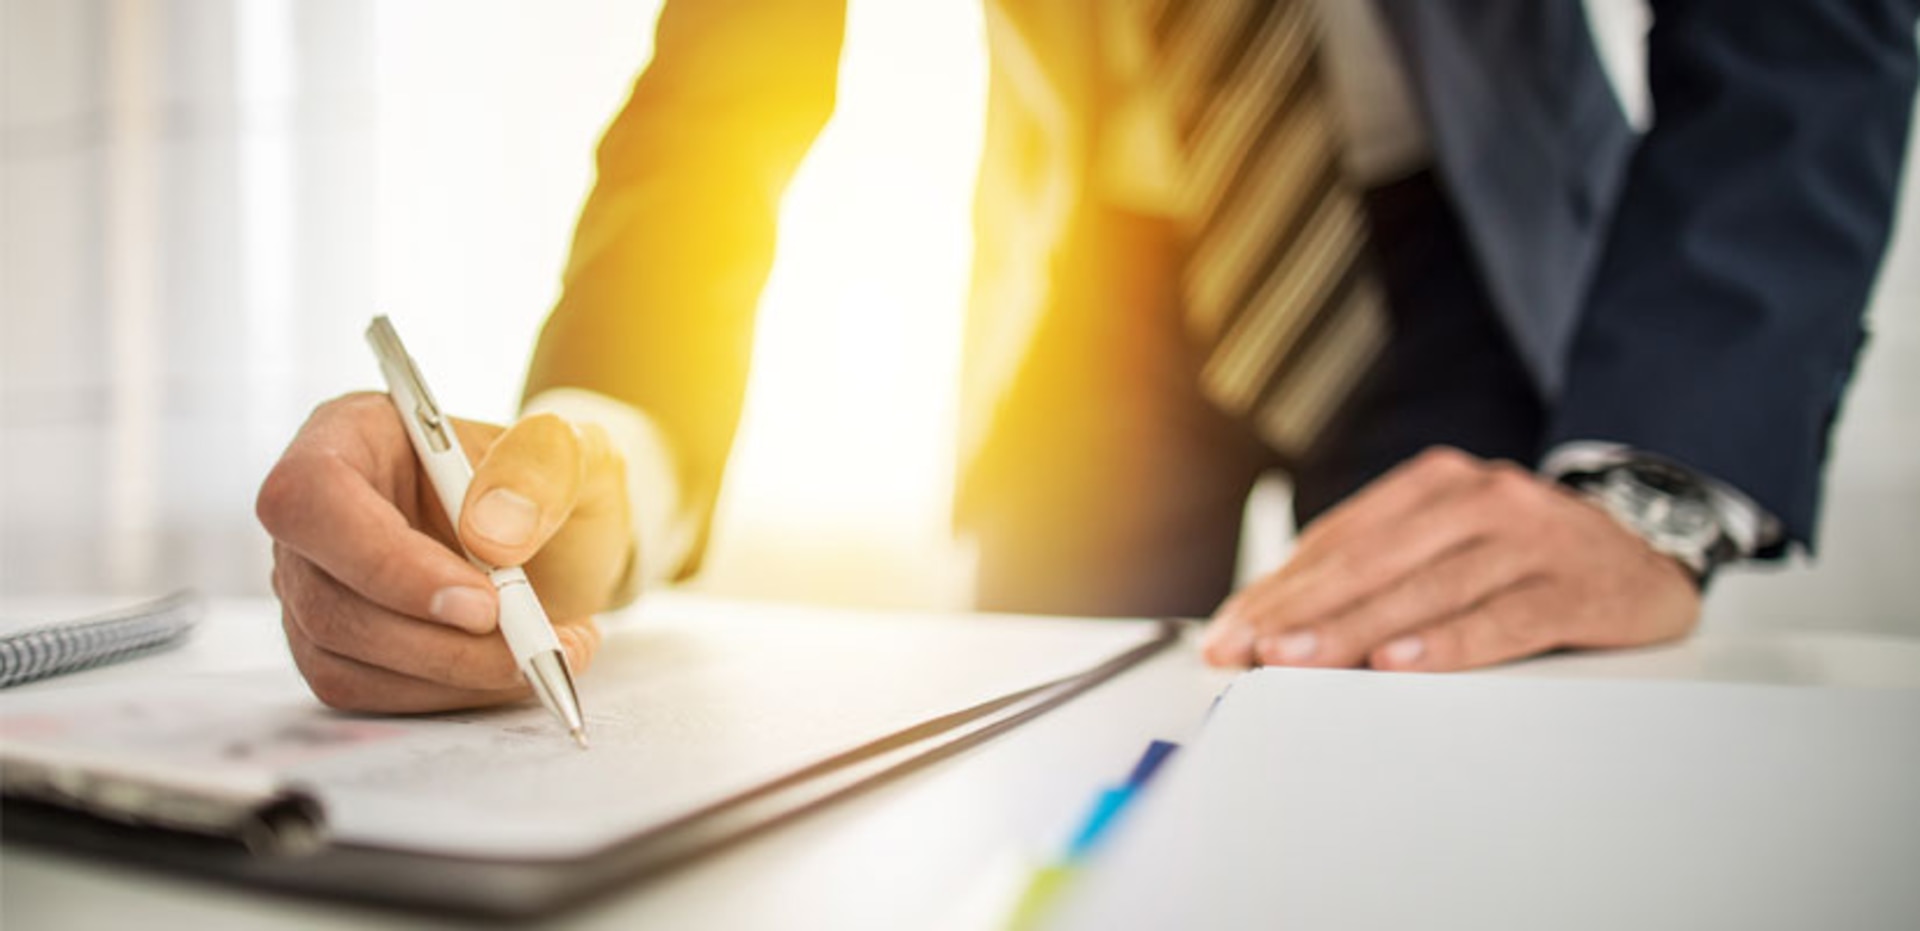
point(1698, 522)
point(1749, 527)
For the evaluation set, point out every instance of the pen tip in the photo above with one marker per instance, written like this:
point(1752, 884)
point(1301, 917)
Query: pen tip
point(580, 737)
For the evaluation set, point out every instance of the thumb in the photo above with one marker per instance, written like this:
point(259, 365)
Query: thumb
point(523, 490)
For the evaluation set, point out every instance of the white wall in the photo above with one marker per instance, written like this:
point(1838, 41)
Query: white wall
point(202, 202)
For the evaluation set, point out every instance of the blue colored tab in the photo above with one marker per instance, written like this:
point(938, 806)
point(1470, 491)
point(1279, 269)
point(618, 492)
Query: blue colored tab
point(1106, 808)
point(1157, 753)
point(1108, 805)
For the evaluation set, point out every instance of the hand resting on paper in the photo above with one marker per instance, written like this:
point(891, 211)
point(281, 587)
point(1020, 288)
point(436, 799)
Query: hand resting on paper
point(1452, 562)
point(380, 610)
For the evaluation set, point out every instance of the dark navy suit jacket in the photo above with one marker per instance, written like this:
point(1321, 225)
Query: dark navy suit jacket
point(1696, 292)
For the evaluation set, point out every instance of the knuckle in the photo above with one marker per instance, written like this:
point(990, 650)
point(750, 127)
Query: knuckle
point(315, 609)
point(592, 438)
point(493, 667)
point(440, 666)
point(484, 665)
point(599, 454)
point(281, 494)
point(1446, 460)
point(354, 405)
point(545, 424)
point(322, 621)
point(1406, 604)
point(544, 439)
point(1512, 633)
point(1457, 591)
point(295, 590)
point(351, 412)
point(1454, 644)
point(330, 681)
point(1511, 484)
point(333, 684)
point(274, 572)
point(1507, 467)
point(1504, 632)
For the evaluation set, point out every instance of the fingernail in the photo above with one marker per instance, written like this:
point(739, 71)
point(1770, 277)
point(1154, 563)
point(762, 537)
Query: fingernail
point(505, 517)
point(1297, 647)
point(1227, 642)
point(469, 609)
point(1404, 652)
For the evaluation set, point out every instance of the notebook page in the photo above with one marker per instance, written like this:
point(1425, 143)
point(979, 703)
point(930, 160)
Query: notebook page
point(682, 711)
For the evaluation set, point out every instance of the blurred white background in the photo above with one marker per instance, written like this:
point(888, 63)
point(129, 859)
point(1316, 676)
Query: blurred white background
point(206, 199)
point(202, 201)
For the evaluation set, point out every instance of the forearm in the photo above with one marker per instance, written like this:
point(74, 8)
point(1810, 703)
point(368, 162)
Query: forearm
point(676, 239)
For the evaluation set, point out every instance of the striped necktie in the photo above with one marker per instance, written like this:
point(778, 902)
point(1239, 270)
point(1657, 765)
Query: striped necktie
point(1277, 282)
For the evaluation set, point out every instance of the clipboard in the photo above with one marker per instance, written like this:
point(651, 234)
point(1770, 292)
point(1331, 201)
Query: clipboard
point(508, 890)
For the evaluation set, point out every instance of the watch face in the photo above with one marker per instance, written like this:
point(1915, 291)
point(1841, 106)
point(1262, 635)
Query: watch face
point(1674, 516)
point(1665, 479)
point(1684, 523)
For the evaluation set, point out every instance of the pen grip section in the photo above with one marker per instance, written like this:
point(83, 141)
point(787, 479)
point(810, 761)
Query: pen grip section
point(522, 619)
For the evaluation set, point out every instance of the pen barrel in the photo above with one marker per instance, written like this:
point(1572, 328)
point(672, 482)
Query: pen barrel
point(523, 622)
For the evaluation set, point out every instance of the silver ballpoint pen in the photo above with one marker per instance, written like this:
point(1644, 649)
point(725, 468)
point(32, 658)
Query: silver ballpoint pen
point(529, 634)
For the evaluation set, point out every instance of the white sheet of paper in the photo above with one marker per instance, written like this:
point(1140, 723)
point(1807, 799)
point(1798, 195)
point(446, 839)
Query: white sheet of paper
point(682, 711)
point(1354, 800)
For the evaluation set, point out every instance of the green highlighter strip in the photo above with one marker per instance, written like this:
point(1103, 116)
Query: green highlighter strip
point(1044, 886)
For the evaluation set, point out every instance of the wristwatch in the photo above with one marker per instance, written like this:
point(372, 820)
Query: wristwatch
point(1665, 506)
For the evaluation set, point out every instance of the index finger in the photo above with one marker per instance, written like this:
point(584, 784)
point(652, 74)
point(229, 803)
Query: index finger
point(332, 498)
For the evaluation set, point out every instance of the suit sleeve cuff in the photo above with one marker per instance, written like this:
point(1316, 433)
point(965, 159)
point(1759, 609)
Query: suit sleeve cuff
point(662, 532)
point(1750, 527)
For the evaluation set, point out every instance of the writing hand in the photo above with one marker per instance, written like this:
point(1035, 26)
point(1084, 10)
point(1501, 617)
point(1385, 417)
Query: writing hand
point(380, 610)
point(1452, 562)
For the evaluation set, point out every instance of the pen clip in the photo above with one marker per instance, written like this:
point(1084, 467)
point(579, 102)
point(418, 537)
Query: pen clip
point(393, 353)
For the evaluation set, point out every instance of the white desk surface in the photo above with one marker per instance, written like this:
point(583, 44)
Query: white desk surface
point(944, 848)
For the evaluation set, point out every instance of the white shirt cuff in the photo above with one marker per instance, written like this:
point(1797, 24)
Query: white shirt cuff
point(662, 531)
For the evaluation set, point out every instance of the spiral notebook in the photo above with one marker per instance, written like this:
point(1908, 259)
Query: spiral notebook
point(707, 727)
point(37, 649)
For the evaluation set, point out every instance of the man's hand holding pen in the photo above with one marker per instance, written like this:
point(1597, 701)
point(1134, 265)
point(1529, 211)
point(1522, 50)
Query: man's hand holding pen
point(381, 611)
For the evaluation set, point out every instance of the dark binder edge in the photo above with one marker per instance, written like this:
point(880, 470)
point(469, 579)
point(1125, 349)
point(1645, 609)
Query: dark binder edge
point(506, 891)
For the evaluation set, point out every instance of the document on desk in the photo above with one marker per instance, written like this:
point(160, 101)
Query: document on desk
point(1323, 799)
point(686, 713)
